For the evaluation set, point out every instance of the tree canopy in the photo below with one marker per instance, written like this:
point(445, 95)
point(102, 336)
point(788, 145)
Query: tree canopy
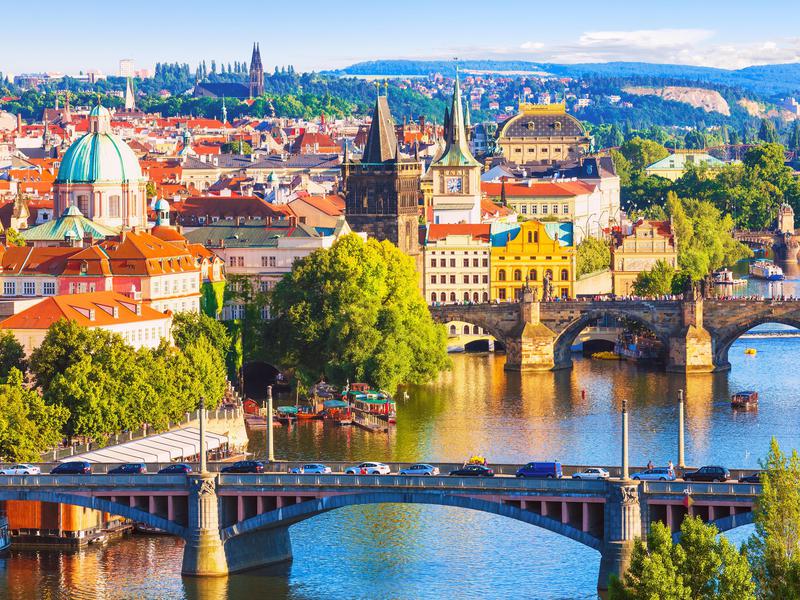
point(355, 312)
point(594, 254)
point(12, 354)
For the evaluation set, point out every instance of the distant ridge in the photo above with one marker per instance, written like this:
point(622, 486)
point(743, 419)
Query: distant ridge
point(775, 79)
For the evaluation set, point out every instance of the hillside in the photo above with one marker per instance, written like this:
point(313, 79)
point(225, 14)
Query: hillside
point(708, 100)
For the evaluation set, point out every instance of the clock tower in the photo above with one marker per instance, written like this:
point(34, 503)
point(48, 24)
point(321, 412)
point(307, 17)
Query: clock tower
point(456, 174)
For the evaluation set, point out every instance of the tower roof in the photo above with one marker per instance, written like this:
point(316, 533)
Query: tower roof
point(255, 60)
point(381, 143)
point(457, 152)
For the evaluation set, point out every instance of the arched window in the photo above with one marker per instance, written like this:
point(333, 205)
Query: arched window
point(501, 275)
point(530, 237)
point(564, 275)
point(452, 296)
point(466, 329)
point(475, 329)
point(443, 297)
point(517, 275)
point(433, 297)
point(466, 296)
point(475, 297)
point(485, 296)
point(533, 275)
point(113, 206)
point(452, 329)
point(535, 237)
point(83, 205)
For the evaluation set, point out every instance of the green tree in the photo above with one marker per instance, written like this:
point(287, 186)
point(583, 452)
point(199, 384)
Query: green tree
point(13, 238)
point(354, 311)
point(774, 548)
point(703, 566)
point(188, 327)
point(12, 354)
point(27, 425)
point(594, 254)
point(767, 132)
point(695, 140)
point(793, 143)
point(150, 189)
point(622, 166)
point(207, 366)
point(642, 153)
point(237, 147)
point(655, 282)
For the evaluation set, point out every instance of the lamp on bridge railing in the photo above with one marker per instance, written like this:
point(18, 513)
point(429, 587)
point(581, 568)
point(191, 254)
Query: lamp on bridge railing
point(203, 466)
point(269, 431)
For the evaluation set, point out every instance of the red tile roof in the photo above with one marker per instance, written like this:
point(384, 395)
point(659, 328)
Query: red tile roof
point(545, 189)
point(477, 231)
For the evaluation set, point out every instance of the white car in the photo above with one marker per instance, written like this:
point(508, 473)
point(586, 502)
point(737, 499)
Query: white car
point(21, 469)
point(420, 469)
point(368, 468)
point(592, 473)
point(313, 468)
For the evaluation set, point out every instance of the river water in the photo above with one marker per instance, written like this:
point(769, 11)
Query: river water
point(398, 551)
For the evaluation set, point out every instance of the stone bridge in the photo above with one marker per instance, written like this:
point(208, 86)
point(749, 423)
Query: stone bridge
point(235, 522)
point(785, 245)
point(696, 333)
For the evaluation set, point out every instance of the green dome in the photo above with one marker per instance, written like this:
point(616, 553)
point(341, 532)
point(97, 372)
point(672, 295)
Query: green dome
point(99, 156)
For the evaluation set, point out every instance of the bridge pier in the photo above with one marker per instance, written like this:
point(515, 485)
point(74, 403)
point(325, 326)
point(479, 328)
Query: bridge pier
point(692, 349)
point(203, 554)
point(623, 525)
point(531, 346)
point(259, 548)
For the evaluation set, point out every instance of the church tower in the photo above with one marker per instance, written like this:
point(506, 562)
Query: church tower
point(382, 190)
point(256, 73)
point(456, 174)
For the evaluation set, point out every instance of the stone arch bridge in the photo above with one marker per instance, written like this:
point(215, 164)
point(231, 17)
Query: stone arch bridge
point(235, 522)
point(697, 333)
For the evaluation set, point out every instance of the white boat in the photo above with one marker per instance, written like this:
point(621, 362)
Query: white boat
point(725, 277)
point(766, 269)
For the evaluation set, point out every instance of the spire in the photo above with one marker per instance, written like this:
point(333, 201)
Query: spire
point(130, 101)
point(457, 151)
point(224, 112)
point(382, 141)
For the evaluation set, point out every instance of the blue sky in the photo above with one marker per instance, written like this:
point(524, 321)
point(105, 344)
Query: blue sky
point(312, 34)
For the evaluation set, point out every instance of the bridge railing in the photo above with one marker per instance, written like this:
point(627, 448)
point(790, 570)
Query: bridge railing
point(416, 481)
point(683, 488)
point(93, 481)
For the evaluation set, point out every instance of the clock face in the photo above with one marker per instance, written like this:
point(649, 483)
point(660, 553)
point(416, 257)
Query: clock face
point(453, 185)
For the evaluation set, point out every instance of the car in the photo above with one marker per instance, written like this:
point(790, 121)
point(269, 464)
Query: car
point(541, 470)
point(245, 466)
point(655, 474)
point(129, 469)
point(473, 471)
point(420, 469)
point(21, 469)
point(592, 473)
point(753, 478)
point(312, 468)
point(176, 468)
point(73, 467)
point(712, 473)
point(368, 468)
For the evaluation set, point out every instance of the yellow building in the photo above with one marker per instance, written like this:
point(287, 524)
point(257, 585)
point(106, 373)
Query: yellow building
point(534, 253)
point(543, 134)
point(648, 242)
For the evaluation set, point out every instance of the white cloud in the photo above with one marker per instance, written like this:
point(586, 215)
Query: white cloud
point(531, 45)
point(644, 38)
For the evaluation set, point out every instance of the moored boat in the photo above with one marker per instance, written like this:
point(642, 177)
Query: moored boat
point(744, 400)
point(725, 277)
point(766, 269)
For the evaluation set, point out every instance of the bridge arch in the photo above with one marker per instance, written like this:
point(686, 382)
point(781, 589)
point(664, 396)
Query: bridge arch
point(114, 508)
point(299, 512)
point(562, 349)
point(257, 375)
point(725, 339)
point(724, 524)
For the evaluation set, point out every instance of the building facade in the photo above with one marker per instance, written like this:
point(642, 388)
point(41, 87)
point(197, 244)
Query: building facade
point(542, 134)
point(648, 242)
point(456, 263)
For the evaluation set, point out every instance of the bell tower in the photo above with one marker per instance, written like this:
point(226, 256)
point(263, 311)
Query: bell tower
point(256, 73)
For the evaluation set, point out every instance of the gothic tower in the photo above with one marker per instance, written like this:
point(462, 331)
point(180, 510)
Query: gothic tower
point(382, 190)
point(256, 73)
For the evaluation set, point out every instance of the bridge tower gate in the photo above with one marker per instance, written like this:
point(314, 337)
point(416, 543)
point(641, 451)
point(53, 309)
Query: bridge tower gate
point(623, 525)
point(691, 349)
point(530, 347)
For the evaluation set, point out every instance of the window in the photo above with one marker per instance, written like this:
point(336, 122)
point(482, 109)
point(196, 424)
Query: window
point(524, 208)
point(452, 279)
point(113, 206)
point(443, 297)
point(475, 299)
point(535, 237)
point(466, 327)
point(474, 262)
point(452, 296)
point(263, 286)
point(240, 261)
point(433, 278)
point(466, 278)
point(544, 209)
point(555, 209)
point(485, 279)
point(28, 288)
point(466, 299)
point(264, 261)
point(564, 275)
point(233, 261)
point(453, 262)
point(530, 237)
point(9, 288)
point(452, 329)
point(466, 262)
point(485, 296)
point(272, 261)
point(442, 262)
point(535, 209)
point(501, 293)
point(49, 288)
point(433, 262)
point(533, 275)
point(565, 209)
point(83, 205)
point(474, 279)
point(501, 275)
point(433, 297)
point(517, 275)
point(485, 262)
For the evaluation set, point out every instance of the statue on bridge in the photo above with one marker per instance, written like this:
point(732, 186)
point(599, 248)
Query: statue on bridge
point(547, 288)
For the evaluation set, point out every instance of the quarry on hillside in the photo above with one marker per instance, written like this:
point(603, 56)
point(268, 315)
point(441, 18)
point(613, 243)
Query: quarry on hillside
point(708, 100)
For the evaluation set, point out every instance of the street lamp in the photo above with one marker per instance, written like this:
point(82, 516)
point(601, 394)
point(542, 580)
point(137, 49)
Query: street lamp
point(270, 448)
point(681, 462)
point(203, 466)
point(624, 440)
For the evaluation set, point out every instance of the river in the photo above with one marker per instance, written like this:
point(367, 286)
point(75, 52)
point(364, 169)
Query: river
point(397, 551)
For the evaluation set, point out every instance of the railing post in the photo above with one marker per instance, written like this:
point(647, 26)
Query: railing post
point(681, 461)
point(203, 465)
point(269, 430)
point(624, 474)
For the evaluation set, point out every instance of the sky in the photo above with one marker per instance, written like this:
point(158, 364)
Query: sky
point(45, 35)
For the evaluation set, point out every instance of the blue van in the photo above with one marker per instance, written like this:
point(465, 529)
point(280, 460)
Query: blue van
point(540, 470)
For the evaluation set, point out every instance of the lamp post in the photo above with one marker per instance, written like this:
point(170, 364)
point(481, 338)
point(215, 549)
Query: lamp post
point(681, 462)
point(270, 445)
point(624, 475)
point(203, 466)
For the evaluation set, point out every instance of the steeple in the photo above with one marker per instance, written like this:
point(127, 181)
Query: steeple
point(256, 73)
point(224, 112)
point(457, 151)
point(382, 142)
point(130, 101)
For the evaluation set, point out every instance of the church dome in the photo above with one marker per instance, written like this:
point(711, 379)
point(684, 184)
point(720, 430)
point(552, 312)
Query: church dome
point(99, 156)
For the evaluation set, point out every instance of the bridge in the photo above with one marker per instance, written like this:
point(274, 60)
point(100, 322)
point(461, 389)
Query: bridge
point(234, 522)
point(784, 244)
point(696, 332)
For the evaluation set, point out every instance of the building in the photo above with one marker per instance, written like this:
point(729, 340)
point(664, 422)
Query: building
point(675, 165)
point(100, 175)
point(647, 243)
point(197, 211)
point(456, 263)
point(382, 189)
point(456, 175)
point(139, 324)
point(256, 73)
point(533, 253)
point(126, 68)
point(318, 211)
point(543, 134)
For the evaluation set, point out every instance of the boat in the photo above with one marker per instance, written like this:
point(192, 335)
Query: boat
point(744, 400)
point(750, 351)
point(606, 355)
point(338, 411)
point(725, 277)
point(766, 269)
